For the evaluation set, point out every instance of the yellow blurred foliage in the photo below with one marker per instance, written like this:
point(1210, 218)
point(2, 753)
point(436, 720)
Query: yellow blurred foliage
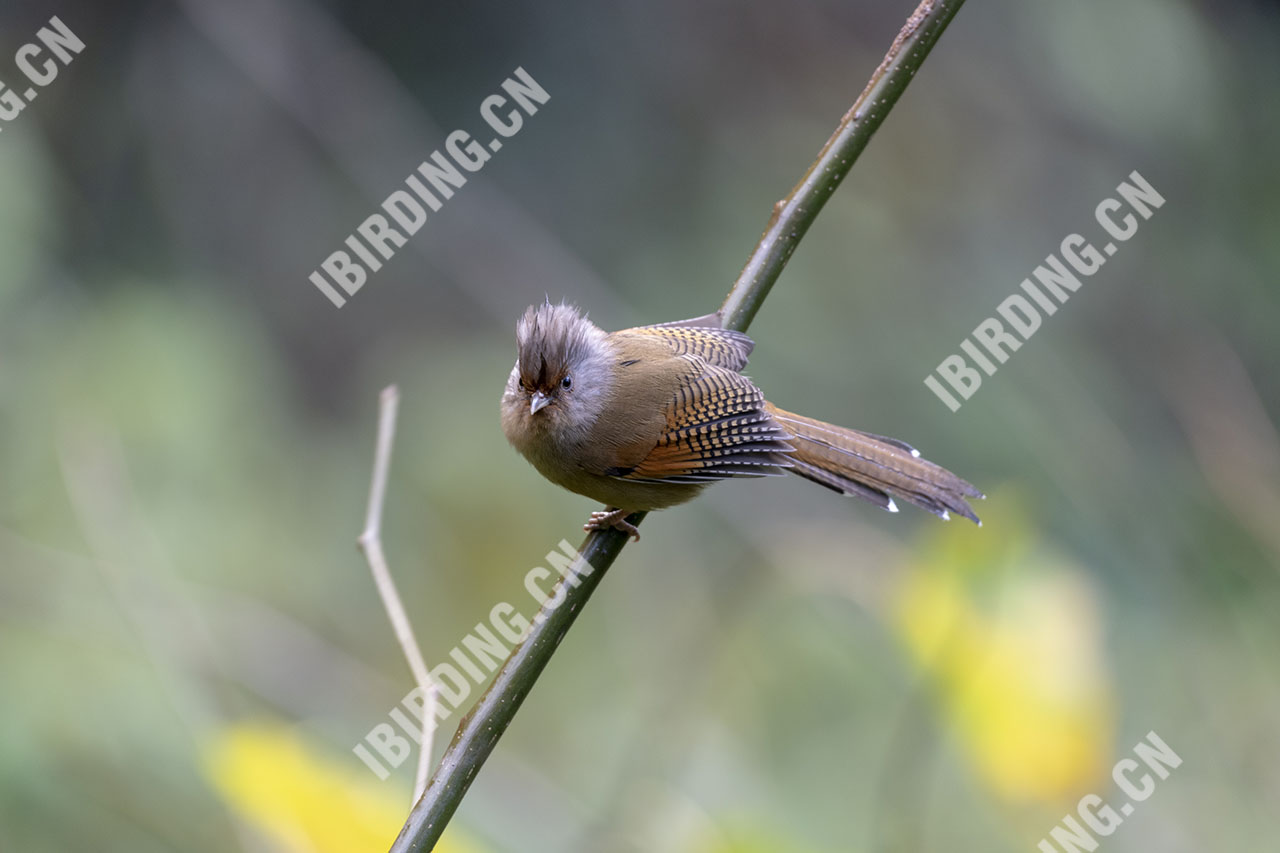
point(306, 802)
point(1010, 637)
point(751, 838)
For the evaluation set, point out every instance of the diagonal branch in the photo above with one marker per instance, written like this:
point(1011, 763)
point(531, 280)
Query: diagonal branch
point(479, 730)
point(793, 215)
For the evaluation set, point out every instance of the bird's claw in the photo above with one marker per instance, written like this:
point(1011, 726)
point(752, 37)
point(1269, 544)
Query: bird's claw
point(615, 518)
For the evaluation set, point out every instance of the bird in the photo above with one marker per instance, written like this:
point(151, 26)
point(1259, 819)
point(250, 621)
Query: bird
point(646, 418)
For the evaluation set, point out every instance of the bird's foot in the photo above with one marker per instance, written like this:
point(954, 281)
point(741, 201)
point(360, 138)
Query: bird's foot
point(615, 518)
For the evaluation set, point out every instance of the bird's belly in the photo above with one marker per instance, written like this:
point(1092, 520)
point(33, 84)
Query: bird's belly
point(564, 467)
point(634, 497)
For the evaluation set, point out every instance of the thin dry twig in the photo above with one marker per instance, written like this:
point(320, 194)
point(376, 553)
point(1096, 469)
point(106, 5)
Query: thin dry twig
point(370, 543)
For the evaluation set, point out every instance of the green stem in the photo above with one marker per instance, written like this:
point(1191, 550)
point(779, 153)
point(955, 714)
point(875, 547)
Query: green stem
point(794, 214)
point(479, 730)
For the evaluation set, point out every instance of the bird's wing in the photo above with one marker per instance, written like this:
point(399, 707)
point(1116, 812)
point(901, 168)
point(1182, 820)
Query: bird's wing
point(720, 347)
point(716, 426)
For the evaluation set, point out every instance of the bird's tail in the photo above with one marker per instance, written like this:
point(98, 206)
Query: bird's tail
point(872, 467)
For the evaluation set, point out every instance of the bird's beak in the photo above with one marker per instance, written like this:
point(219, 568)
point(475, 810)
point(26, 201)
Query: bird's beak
point(538, 401)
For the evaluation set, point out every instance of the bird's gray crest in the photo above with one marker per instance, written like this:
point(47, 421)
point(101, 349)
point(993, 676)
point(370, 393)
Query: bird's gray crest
point(551, 339)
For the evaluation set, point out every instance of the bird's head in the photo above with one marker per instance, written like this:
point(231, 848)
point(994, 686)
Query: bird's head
point(562, 371)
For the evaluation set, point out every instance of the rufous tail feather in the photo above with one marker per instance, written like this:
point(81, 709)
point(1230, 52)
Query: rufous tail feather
point(872, 467)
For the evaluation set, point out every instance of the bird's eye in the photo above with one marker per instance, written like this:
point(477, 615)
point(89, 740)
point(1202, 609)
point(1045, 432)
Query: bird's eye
point(566, 383)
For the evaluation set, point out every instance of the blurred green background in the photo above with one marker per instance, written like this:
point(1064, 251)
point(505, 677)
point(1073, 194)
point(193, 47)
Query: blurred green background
point(190, 645)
